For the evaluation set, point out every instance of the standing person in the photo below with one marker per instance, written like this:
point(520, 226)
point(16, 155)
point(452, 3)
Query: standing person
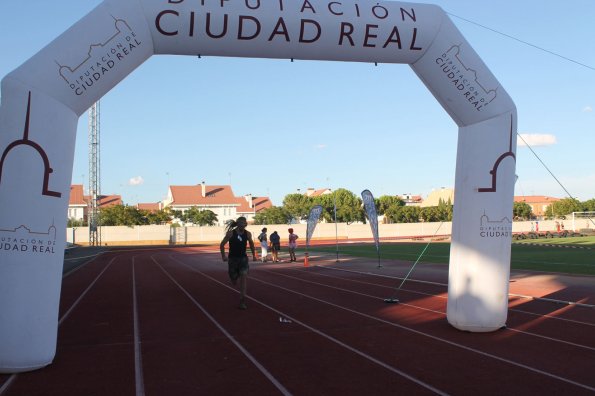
point(264, 246)
point(292, 245)
point(275, 246)
point(237, 260)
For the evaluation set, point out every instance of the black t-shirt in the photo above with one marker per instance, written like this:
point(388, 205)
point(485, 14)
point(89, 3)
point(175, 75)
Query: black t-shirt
point(237, 244)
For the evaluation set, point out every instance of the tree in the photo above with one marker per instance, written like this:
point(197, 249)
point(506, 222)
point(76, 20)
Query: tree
point(272, 215)
point(442, 212)
point(445, 210)
point(72, 222)
point(387, 201)
point(177, 214)
point(429, 214)
point(589, 206)
point(159, 217)
point(327, 201)
point(403, 214)
point(203, 217)
point(349, 206)
point(121, 215)
point(522, 211)
point(563, 207)
point(297, 205)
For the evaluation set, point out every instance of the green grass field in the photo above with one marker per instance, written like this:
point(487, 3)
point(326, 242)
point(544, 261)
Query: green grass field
point(525, 255)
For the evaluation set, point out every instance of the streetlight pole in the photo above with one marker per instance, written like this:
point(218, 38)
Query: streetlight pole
point(336, 231)
point(335, 215)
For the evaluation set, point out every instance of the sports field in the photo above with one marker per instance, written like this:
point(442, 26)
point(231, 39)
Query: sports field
point(564, 255)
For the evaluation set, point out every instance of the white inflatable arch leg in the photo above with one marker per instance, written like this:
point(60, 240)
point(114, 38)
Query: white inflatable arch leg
point(42, 100)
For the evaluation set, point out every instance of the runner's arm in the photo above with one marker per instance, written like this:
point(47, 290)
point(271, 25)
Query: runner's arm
point(251, 243)
point(222, 245)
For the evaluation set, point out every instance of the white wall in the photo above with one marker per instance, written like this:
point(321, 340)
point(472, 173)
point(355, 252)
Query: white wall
point(153, 235)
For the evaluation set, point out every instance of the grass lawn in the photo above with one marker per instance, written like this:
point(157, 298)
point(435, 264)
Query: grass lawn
point(525, 254)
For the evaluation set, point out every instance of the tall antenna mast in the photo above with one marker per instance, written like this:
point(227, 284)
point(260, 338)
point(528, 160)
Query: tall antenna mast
point(94, 176)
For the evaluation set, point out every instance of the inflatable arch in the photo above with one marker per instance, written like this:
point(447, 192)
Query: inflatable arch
point(43, 99)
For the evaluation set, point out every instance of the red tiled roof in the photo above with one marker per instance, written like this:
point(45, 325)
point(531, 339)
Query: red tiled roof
point(535, 199)
point(316, 193)
point(151, 207)
point(192, 195)
point(258, 203)
point(109, 200)
point(106, 201)
point(76, 195)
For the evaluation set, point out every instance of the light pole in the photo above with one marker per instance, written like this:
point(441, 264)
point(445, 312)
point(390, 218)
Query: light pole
point(336, 231)
point(335, 218)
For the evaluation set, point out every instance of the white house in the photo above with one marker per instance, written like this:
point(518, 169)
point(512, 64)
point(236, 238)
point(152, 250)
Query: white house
point(218, 199)
point(78, 202)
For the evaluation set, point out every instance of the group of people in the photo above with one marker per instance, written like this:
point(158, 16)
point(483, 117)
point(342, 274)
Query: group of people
point(274, 242)
point(237, 259)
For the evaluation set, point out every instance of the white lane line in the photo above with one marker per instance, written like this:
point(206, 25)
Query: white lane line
point(63, 318)
point(444, 284)
point(552, 317)
point(550, 338)
point(442, 313)
point(489, 355)
point(443, 297)
point(431, 295)
point(138, 362)
point(84, 257)
point(381, 275)
point(369, 283)
point(328, 337)
point(72, 271)
point(262, 369)
point(12, 378)
point(553, 300)
point(8, 383)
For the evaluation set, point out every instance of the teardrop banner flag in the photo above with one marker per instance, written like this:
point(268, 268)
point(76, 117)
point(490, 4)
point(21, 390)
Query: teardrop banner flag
point(370, 208)
point(313, 217)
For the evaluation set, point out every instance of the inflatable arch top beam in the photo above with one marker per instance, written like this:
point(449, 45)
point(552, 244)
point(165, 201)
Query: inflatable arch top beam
point(43, 99)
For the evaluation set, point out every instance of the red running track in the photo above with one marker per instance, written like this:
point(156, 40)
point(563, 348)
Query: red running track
point(165, 322)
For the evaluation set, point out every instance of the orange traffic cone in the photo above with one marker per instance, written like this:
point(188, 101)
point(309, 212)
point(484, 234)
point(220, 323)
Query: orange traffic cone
point(306, 261)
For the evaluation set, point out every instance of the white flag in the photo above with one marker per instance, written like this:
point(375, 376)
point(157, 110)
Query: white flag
point(313, 217)
point(370, 207)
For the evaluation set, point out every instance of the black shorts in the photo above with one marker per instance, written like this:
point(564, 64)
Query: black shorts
point(276, 246)
point(237, 266)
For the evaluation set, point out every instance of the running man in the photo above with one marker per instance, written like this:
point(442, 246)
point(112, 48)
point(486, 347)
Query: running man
point(237, 260)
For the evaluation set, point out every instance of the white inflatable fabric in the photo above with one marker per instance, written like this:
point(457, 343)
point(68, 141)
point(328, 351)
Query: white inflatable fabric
point(42, 100)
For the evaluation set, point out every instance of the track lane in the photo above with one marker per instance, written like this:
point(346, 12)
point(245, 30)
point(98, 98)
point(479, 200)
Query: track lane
point(183, 352)
point(295, 351)
point(95, 346)
point(561, 312)
point(212, 263)
point(490, 344)
point(547, 327)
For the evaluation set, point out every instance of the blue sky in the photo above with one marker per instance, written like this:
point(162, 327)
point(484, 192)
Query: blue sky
point(270, 127)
